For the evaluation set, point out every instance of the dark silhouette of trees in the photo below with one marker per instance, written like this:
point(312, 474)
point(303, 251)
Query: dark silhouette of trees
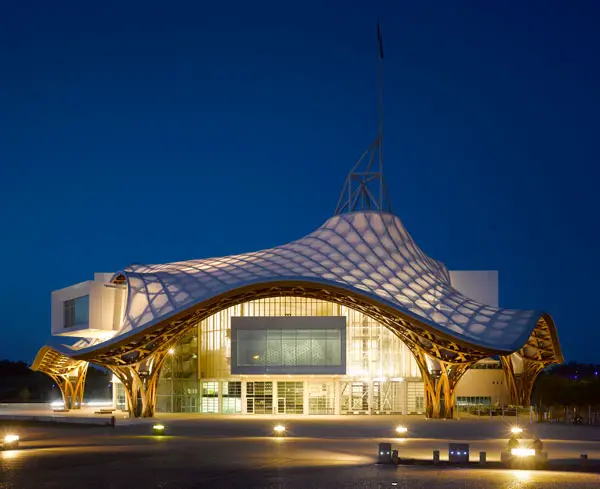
point(24, 394)
point(572, 387)
point(20, 384)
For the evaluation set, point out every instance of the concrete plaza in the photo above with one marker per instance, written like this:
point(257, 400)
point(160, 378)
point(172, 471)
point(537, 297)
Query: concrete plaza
point(236, 451)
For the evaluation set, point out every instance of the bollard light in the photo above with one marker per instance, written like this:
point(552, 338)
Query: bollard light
point(279, 430)
point(401, 430)
point(11, 441)
point(158, 429)
point(516, 430)
point(384, 454)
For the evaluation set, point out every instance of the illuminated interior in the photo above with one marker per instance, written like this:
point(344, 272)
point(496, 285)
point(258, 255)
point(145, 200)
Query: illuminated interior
point(381, 373)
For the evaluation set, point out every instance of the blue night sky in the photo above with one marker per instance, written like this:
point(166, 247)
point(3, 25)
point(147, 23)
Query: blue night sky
point(159, 131)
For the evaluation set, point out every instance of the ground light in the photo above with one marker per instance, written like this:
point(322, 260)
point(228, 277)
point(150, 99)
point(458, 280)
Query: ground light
point(401, 430)
point(11, 441)
point(279, 430)
point(158, 429)
point(516, 430)
point(522, 452)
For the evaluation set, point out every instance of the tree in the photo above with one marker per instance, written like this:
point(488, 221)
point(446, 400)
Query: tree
point(24, 394)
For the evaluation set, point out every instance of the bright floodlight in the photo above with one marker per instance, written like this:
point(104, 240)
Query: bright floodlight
point(171, 351)
point(11, 441)
point(402, 430)
point(515, 430)
point(279, 429)
point(522, 452)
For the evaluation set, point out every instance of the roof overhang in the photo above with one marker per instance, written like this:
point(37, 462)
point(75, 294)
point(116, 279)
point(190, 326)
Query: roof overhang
point(137, 345)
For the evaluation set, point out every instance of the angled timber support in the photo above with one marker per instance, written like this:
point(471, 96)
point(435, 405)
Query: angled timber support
point(126, 377)
point(520, 384)
point(71, 385)
point(531, 370)
point(432, 404)
point(140, 382)
point(450, 376)
point(510, 378)
point(440, 385)
point(67, 373)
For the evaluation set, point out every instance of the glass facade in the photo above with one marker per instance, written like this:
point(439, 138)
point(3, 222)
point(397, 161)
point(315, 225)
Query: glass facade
point(381, 375)
point(473, 401)
point(178, 384)
point(77, 311)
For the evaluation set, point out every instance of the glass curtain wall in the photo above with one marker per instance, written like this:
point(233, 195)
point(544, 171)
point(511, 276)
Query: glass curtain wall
point(372, 349)
point(196, 377)
point(178, 389)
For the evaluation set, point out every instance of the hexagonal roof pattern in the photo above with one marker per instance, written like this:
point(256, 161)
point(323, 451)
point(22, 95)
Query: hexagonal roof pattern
point(365, 252)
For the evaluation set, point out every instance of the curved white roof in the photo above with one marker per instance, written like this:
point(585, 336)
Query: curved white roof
point(368, 253)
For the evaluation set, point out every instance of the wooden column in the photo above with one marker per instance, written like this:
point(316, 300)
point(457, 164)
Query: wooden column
point(140, 382)
point(510, 378)
point(79, 385)
point(71, 385)
point(521, 385)
point(451, 373)
point(531, 370)
point(440, 390)
point(125, 375)
point(432, 405)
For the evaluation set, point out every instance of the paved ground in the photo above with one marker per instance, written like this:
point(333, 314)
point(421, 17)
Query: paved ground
point(240, 452)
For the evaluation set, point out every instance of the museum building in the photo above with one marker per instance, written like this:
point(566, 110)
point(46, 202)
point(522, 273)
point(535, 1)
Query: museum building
point(353, 318)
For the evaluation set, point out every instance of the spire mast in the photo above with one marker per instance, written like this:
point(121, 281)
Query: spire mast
point(380, 90)
point(365, 188)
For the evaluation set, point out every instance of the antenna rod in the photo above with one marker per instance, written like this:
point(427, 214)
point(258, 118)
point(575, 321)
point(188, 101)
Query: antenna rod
point(380, 77)
point(380, 89)
point(356, 194)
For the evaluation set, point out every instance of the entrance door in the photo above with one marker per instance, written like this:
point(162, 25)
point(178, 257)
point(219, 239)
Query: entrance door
point(281, 405)
point(250, 405)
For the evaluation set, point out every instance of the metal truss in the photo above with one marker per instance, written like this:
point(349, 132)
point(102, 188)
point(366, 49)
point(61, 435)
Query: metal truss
point(365, 189)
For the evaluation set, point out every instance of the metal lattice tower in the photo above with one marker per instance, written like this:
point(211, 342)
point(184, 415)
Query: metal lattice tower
point(365, 188)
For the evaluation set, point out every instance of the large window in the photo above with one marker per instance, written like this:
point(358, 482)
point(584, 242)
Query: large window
point(371, 349)
point(77, 311)
point(288, 345)
point(473, 401)
point(288, 348)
